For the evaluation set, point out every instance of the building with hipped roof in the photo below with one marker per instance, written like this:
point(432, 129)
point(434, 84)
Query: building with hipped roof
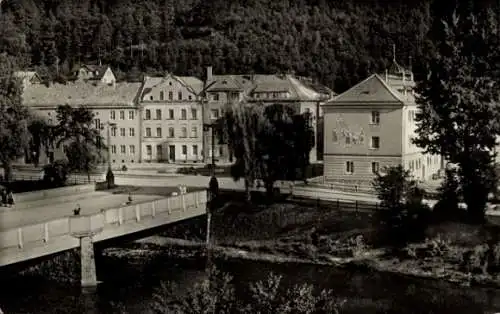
point(116, 104)
point(223, 90)
point(371, 126)
point(171, 119)
point(161, 118)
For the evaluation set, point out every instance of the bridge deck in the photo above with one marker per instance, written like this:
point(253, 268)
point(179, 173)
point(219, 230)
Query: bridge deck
point(92, 204)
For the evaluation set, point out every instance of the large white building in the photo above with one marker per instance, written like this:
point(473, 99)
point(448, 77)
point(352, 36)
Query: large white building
point(371, 126)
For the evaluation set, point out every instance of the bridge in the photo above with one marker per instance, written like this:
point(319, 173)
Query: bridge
point(42, 223)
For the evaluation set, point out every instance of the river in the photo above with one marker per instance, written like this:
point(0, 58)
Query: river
point(131, 286)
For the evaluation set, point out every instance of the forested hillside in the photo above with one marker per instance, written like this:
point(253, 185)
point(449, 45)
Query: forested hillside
point(335, 42)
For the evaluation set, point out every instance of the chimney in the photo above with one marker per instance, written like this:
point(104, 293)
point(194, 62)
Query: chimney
point(209, 73)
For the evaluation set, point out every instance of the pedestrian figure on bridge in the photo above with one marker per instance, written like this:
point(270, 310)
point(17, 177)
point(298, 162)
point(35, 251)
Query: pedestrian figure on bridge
point(3, 194)
point(315, 237)
point(129, 201)
point(76, 211)
point(10, 198)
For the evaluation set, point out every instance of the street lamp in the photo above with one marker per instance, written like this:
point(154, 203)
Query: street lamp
point(206, 127)
point(110, 178)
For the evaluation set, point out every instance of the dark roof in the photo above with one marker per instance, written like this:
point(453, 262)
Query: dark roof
point(100, 69)
point(264, 83)
point(371, 89)
point(81, 93)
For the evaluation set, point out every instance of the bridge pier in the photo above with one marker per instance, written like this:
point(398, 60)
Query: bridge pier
point(87, 259)
point(84, 228)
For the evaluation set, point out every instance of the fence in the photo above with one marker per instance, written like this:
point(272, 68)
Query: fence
point(72, 179)
point(175, 207)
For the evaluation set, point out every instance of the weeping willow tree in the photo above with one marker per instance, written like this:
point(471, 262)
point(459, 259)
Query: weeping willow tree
point(268, 142)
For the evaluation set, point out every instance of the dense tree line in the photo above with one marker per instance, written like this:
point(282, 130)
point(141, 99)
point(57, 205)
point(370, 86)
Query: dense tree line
point(335, 42)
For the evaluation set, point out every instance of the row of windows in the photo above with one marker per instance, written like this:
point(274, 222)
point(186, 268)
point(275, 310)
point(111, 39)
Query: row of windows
point(417, 163)
point(131, 115)
point(374, 141)
point(159, 149)
point(171, 132)
point(231, 96)
point(158, 115)
point(272, 95)
point(171, 95)
point(349, 167)
point(123, 149)
point(184, 150)
point(214, 114)
point(171, 114)
point(131, 132)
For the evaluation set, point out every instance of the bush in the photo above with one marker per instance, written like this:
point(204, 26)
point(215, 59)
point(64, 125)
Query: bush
point(403, 218)
point(267, 298)
point(357, 245)
point(475, 260)
point(124, 168)
point(447, 208)
point(216, 294)
point(56, 174)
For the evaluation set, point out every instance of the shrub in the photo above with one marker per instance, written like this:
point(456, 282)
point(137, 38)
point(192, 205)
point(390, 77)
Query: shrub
point(216, 294)
point(402, 217)
point(475, 260)
point(56, 174)
point(437, 247)
point(447, 208)
point(357, 245)
point(267, 298)
point(494, 259)
point(124, 168)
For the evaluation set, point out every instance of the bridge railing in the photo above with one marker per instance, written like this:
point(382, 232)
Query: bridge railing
point(85, 224)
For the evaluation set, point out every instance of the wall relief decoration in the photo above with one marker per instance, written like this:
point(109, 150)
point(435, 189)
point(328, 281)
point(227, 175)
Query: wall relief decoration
point(341, 131)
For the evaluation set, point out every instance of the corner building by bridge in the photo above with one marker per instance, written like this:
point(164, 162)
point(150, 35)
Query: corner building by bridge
point(370, 127)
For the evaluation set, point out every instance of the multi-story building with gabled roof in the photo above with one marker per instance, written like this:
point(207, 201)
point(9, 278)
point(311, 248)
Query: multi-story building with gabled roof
point(371, 126)
point(299, 93)
point(172, 126)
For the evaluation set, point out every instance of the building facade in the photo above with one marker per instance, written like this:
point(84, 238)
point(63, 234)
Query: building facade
point(172, 124)
point(225, 90)
point(161, 119)
point(95, 74)
point(371, 126)
point(114, 107)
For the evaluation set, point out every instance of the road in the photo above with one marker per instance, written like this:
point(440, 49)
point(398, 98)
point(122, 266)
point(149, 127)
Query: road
point(173, 181)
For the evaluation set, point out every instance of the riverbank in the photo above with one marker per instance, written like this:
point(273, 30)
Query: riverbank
point(435, 259)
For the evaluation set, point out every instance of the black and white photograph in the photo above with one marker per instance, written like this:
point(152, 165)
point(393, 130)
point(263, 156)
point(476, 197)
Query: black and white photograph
point(249, 157)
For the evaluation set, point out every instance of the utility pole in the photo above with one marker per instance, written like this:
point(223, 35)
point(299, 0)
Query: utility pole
point(110, 178)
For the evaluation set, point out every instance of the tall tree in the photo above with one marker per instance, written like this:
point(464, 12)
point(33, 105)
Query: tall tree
point(13, 117)
point(269, 142)
point(41, 137)
point(458, 102)
point(83, 143)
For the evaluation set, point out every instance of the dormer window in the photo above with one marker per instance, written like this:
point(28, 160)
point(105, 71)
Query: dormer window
point(170, 83)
